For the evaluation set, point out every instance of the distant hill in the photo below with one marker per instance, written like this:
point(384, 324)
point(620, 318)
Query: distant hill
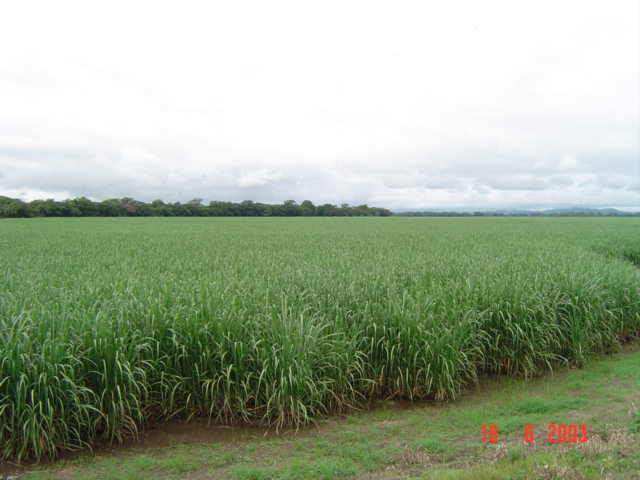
point(601, 211)
point(569, 211)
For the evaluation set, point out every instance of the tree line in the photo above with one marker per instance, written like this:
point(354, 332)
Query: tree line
point(129, 207)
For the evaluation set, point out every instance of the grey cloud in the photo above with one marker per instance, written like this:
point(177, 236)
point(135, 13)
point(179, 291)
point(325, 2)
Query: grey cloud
point(413, 178)
point(526, 182)
point(517, 183)
point(147, 175)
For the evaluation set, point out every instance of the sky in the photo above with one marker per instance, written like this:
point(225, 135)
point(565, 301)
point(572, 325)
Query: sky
point(398, 104)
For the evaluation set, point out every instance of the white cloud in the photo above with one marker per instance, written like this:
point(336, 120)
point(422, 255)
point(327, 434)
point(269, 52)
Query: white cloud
point(569, 163)
point(257, 178)
point(415, 104)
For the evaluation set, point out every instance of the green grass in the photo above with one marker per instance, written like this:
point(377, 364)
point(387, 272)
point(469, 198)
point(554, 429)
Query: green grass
point(108, 324)
point(431, 444)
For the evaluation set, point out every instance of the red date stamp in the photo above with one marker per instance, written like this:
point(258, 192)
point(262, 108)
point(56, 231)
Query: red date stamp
point(555, 433)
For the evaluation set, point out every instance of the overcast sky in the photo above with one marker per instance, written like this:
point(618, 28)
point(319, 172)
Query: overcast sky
point(513, 104)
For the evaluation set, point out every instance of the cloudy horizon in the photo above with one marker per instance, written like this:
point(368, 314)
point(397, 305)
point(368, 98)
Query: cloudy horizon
point(403, 105)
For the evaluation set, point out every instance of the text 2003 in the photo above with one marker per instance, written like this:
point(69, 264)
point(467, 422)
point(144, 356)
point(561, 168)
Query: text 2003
point(566, 433)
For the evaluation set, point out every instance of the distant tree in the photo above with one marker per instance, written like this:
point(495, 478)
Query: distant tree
point(345, 210)
point(380, 212)
point(308, 208)
point(278, 210)
point(108, 208)
point(265, 210)
point(71, 210)
point(250, 209)
point(178, 209)
point(291, 209)
point(12, 208)
point(45, 208)
point(86, 207)
point(327, 210)
point(160, 209)
point(361, 211)
point(194, 208)
point(217, 209)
